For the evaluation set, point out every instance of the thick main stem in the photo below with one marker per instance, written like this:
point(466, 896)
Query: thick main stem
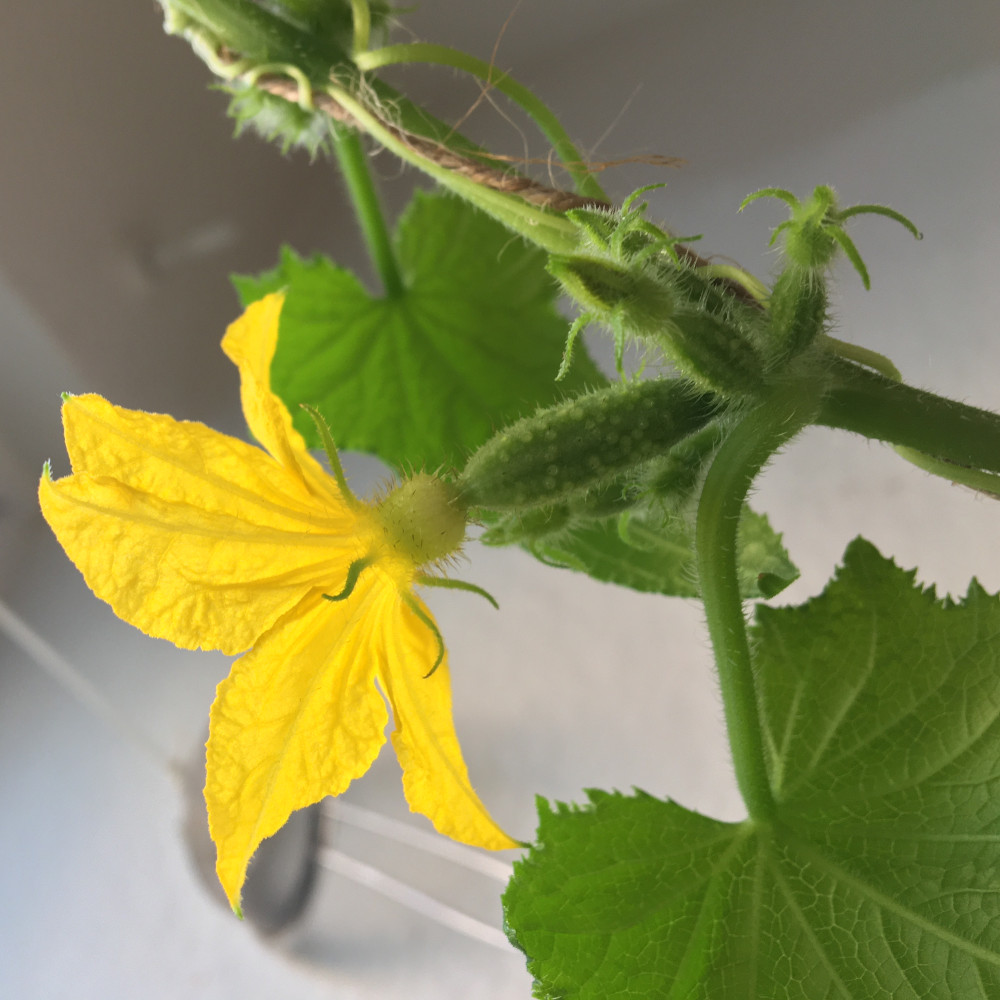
point(765, 429)
point(878, 407)
point(354, 165)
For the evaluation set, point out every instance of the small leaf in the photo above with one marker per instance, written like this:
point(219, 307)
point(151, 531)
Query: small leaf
point(424, 378)
point(655, 555)
point(878, 875)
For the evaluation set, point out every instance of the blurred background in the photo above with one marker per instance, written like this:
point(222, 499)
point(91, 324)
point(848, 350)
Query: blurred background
point(124, 205)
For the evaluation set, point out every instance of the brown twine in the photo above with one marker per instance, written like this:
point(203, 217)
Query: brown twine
point(504, 181)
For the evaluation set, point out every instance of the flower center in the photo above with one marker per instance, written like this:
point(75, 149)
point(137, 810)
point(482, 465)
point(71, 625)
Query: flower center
point(422, 520)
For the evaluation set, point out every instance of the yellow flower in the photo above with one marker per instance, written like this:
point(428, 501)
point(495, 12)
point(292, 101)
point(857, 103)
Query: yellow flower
point(213, 543)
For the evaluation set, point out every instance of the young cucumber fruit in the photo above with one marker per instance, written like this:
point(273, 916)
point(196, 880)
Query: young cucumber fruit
point(567, 449)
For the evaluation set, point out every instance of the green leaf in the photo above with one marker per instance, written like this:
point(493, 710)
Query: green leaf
point(424, 378)
point(878, 876)
point(763, 564)
point(655, 555)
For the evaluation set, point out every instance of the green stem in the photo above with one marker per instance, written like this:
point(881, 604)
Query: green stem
point(442, 55)
point(752, 442)
point(878, 407)
point(549, 230)
point(976, 479)
point(863, 356)
point(361, 188)
point(362, 15)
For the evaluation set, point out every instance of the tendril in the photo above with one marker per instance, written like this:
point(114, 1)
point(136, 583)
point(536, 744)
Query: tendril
point(354, 571)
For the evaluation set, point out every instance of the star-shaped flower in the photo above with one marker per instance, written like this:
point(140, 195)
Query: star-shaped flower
point(213, 543)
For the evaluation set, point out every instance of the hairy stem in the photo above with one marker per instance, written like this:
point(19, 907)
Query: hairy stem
point(863, 356)
point(765, 429)
point(361, 188)
point(442, 55)
point(959, 436)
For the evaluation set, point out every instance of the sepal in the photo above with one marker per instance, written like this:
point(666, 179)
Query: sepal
point(277, 120)
point(815, 230)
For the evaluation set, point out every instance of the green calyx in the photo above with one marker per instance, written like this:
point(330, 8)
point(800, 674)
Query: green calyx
point(815, 231)
point(573, 448)
point(423, 519)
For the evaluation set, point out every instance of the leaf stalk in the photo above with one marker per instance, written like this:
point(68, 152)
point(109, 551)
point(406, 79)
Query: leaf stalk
point(353, 163)
point(762, 432)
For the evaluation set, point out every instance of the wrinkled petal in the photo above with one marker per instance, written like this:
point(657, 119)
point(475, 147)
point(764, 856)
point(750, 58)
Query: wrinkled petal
point(435, 778)
point(189, 462)
point(202, 579)
point(297, 719)
point(250, 343)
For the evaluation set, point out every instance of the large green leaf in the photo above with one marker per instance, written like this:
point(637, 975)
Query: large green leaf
point(424, 378)
point(880, 874)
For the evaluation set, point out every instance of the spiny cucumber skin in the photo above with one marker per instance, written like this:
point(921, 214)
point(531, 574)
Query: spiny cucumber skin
point(608, 499)
point(712, 353)
point(566, 449)
point(527, 526)
point(673, 479)
point(798, 312)
point(697, 292)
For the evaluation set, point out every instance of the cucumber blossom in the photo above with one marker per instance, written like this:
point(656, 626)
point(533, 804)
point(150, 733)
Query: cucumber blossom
point(565, 450)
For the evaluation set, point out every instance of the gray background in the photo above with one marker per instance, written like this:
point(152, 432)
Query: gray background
point(125, 205)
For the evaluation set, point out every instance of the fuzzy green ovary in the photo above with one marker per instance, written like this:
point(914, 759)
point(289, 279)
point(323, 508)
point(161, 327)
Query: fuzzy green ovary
point(614, 293)
point(712, 353)
point(705, 347)
point(422, 521)
point(673, 479)
point(566, 450)
point(810, 247)
point(798, 312)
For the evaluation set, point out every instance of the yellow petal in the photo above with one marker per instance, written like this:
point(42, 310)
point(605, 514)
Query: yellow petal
point(189, 462)
point(435, 777)
point(250, 343)
point(297, 719)
point(202, 579)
